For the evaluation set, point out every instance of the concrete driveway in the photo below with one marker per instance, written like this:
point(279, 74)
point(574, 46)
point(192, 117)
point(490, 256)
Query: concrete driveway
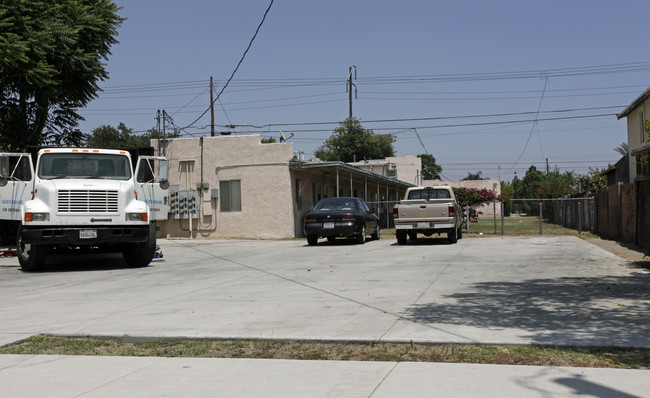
point(492, 290)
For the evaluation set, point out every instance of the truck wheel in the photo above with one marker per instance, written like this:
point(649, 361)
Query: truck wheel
point(31, 257)
point(460, 233)
point(141, 254)
point(361, 238)
point(401, 237)
point(312, 240)
point(453, 236)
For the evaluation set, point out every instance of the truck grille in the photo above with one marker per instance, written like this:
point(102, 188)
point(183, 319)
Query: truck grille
point(85, 201)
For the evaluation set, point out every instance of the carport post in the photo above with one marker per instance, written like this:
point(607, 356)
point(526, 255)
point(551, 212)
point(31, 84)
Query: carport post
point(351, 190)
point(540, 218)
point(337, 182)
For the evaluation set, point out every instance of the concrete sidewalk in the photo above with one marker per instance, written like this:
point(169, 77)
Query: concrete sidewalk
point(78, 376)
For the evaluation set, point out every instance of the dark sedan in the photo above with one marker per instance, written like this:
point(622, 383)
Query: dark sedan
point(341, 217)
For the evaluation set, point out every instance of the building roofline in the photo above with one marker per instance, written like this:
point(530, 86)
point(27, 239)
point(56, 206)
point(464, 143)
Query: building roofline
point(349, 168)
point(638, 101)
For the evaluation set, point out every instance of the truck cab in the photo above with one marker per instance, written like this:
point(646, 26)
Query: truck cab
point(77, 199)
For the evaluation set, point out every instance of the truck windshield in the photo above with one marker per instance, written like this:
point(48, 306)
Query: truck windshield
point(429, 194)
point(84, 165)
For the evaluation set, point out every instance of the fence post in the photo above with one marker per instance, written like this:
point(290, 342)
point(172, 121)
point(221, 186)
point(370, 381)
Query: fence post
point(467, 218)
point(502, 220)
point(579, 218)
point(494, 205)
point(540, 218)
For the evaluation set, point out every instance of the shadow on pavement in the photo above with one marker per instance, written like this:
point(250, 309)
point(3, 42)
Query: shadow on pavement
point(596, 311)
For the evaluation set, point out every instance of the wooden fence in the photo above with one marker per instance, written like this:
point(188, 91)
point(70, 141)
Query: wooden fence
point(623, 213)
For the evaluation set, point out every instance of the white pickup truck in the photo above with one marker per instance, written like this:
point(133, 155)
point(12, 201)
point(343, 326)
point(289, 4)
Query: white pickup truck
point(80, 199)
point(428, 210)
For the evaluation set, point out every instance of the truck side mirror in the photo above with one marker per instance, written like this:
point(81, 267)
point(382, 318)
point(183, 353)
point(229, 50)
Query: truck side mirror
point(3, 181)
point(164, 170)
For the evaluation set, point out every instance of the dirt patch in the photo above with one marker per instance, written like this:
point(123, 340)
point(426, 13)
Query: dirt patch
point(631, 253)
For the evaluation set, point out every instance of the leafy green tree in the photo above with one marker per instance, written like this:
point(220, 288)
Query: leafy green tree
point(474, 176)
point(122, 136)
point(268, 140)
point(430, 170)
point(350, 142)
point(51, 54)
point(528, 186)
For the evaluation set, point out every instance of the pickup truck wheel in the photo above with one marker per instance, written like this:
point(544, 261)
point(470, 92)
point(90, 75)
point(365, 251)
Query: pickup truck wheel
point(460, 233)
point(312, 240)
point(453, 235)
point(30, 257)
point(361, 238)
point(141, 254)
point(401, 237)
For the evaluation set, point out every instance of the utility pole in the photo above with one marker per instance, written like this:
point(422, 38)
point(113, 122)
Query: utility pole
point(158, 129)
point(349, 84)
point(211, 110)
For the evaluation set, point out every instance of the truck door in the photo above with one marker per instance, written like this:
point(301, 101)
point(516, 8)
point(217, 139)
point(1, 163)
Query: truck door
point(151, 175)
point(16, 181)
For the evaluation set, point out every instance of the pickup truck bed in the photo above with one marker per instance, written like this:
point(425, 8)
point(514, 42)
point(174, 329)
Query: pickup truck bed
point(428, 210)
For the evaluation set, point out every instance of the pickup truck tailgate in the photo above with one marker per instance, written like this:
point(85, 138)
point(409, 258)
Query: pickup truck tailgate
point(423, 210)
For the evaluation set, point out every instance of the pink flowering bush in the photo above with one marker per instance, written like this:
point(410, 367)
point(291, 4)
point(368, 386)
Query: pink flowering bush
point(475, 197)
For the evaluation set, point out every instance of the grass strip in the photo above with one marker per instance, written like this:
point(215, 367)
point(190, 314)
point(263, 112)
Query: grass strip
point(595, 357)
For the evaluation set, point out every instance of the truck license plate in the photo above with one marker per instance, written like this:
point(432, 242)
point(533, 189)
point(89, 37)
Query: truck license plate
point(87, 234)
point(328, 225)
point(423, 225)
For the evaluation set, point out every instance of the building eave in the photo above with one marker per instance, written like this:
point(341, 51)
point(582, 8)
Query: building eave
point(348, 168)
point(634, 104)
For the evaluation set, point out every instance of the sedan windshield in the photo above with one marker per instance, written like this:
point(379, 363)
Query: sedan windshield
point(84, 165)
point(336, 204)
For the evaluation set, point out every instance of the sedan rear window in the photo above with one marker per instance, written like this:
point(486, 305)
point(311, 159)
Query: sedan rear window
point(336, 204)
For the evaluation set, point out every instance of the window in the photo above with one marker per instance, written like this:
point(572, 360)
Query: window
point(230, 195)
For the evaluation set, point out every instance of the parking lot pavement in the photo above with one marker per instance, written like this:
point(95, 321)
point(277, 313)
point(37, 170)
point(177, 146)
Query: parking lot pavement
point(496, 290)
point(560, 290)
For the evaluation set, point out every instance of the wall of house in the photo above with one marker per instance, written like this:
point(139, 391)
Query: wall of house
point(266, 186)
point(407, 168)
point(635, 133)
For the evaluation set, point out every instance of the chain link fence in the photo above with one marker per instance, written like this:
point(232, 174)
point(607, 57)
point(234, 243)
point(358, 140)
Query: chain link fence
point(536, 216)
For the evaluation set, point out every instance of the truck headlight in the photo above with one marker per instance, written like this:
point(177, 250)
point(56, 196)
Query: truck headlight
point(37, 217)
point(136, 217)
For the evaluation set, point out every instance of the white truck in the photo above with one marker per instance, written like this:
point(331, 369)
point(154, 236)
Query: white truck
point(428, 210)
point(70, 200)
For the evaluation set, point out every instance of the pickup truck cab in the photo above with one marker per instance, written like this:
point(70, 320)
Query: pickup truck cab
point(428, 210)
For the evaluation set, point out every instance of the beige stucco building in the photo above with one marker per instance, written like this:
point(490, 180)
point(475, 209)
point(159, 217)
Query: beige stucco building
point(241, 188)
point(637, 139)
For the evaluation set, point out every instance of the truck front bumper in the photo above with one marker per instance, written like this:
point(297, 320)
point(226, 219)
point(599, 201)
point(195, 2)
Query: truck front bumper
point(84, 235)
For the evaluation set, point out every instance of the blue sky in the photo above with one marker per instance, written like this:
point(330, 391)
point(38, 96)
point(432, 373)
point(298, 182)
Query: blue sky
point(462, 80)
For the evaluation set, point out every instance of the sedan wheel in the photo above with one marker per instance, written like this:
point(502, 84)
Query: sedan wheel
point(361, 238)
point(377, 233)
point(312, 240)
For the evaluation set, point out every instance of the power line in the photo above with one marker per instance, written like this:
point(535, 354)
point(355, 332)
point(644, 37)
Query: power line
point(237, 67)
point(534, 121)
